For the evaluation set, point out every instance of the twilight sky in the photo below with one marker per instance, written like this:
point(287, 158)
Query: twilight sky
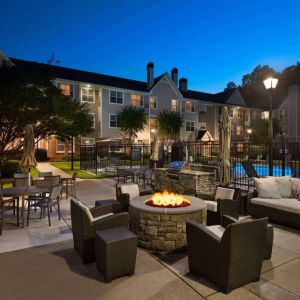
point(210, 42)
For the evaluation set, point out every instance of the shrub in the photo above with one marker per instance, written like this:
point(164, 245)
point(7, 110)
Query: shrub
point(76, 157)
point(11, 167)
point(41, 155)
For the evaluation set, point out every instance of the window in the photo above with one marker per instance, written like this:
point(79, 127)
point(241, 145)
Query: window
point(137, 100)
point(116, 97)
point(87, 95)
point(66, 89)
point(88, 141)
point(231, 112)
point(60, 146)
point(174, 105)
point(240, 114)
point(239, 130)
point(94, 119)
point(153, 123)
point(265, 115)
point(113, 121)
point(189, 106)
point(202, 126)
point(153, 102)
point(189, 126)
point(116, 148)
point(282, 114)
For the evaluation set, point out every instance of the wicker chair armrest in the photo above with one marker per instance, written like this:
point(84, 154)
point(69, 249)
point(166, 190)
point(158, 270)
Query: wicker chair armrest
point(206, 196)
point(226, 220)
point(145, 193)
point(201, 233)
point(116, 220)
point(101, 210)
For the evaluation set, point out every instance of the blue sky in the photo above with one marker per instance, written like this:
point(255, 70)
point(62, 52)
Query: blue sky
point(210, 42)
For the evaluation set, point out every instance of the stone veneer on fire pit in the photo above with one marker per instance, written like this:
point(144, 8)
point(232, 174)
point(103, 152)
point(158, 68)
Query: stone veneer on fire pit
point(160, 228)
point(189, 182)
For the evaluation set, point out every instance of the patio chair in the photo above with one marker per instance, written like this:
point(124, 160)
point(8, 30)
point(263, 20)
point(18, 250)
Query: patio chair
point(69, 185)
point(147, 177)
point(123, 176)
point(46, 202)
point(230, 257)
point(249, 169)
point(85, 223)
point(6, 204)
point(21, 179)
point(128, 192)
point(225, 201)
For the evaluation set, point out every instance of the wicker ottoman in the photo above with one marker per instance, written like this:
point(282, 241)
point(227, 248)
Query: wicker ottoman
point(115, 251)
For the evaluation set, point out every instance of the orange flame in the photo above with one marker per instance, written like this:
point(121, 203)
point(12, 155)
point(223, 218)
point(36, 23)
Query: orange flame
point(167, 199)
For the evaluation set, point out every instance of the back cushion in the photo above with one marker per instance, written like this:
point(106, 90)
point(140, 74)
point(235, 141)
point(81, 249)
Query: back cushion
point(131, 189)
point(267, 188)
point(224, 193)
point(295, 182)
point(84, 208)
point(284, 185)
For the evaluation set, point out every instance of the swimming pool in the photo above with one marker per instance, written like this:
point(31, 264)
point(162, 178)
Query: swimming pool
point(263, 170)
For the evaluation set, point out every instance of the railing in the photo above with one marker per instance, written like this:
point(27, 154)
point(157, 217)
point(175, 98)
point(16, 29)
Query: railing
point(286, 157)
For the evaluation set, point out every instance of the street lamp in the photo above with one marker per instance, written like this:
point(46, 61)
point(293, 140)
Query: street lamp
point(270, 84)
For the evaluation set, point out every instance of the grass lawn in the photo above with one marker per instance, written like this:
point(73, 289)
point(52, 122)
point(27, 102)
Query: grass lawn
point(66, 167)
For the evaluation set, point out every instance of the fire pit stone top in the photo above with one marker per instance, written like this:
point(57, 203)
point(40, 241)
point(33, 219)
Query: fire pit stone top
point(196, 205)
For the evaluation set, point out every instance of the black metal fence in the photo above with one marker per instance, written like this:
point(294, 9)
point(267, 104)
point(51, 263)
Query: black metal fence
point(286, 157)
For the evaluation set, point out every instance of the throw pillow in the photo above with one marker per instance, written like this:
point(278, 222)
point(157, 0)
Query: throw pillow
point(295, 187)
point(285, 186)
point(132, 189)
point(224, 193)
point(267, 188)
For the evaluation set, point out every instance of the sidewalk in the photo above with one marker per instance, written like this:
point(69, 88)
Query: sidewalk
point(47, 167)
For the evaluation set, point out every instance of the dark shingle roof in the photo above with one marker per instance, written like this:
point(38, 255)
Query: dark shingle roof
point(84, 76)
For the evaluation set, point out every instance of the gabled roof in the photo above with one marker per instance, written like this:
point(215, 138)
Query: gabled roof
point(84, 76)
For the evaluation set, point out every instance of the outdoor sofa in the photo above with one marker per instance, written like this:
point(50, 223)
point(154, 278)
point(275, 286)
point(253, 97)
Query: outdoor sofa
point(85, 223)
point(276, 198)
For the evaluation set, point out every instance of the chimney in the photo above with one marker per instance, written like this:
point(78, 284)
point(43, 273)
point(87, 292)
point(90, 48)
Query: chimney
point(150, 75)
point(174, 75)
point(183, 84)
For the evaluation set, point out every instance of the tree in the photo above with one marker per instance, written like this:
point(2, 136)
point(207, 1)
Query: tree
point(258, 75)
point(230, 86)
point(131, 120)
point(170, 123)
point(28, 96)
point(260, 129)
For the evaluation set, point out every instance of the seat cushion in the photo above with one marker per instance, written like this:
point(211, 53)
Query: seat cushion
point(285, 204)
point(212, 205)
point(132, 189)
point(217, 230)
point(224, 193)
point(267, 188)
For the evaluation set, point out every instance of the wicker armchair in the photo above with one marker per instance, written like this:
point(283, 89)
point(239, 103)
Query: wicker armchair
point(224, 202)
point(127, 192)
point(231, 258)
point(85, 223)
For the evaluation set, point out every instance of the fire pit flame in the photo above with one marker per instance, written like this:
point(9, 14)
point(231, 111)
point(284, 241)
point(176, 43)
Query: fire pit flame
point(167, 199)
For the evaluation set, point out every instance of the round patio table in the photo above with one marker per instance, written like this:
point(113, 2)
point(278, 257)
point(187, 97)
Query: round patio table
point(23, 191)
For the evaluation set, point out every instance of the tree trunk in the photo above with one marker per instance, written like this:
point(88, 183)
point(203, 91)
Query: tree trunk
point(66, 148)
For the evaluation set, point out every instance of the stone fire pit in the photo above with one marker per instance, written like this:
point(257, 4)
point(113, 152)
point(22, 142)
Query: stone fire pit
point(160, 228)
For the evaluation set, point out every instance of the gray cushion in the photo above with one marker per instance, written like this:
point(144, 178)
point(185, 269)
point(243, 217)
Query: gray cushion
point(267, 188)
point(284, 185)
point(132, 189)
point(224, 193)
point(217, 230)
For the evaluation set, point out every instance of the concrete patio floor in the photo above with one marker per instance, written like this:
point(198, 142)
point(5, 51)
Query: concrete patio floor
point(158, 275)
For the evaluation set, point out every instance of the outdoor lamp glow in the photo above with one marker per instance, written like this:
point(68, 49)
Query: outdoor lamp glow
point(249, 130)
point(153, 130)
point(270, 83)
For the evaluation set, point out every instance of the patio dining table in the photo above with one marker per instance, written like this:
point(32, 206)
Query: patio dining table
point(134, 172)
point(23, 191)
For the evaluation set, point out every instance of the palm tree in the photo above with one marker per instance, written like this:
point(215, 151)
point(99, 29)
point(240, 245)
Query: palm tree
point(170, 123)
point(132, 119)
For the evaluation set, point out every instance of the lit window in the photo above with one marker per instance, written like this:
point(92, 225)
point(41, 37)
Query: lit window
point(88, 141)
point(265, 115)
point(189, 126)
point(137, 100)
point(94, 119)
point(240, 114)
point(239, 130)
point(202, 125)
point(189, 106)
point(87, 95)
point(153, 102)
point(153, 123)
point(282, 114)
point(231, 112)
point(66, 89)
point(174, 105)
point(116, 97)
point(113, 121)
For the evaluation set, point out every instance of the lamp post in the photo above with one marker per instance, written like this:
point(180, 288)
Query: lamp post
point(270, 84)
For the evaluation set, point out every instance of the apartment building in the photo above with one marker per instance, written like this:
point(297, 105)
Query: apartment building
point(107, 95)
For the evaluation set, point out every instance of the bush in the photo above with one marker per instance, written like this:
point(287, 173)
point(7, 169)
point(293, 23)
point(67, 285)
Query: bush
point(11, 167)
point(41, 155)
point(76, 157)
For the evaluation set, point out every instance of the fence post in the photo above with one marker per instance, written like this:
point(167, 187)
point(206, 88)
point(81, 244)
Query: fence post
point(283, 159)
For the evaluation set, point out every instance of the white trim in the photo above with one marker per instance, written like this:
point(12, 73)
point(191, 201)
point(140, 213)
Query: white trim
point(87, 138)
point(63, 151)
point(94, 114)
point(88, 88)
point(117, 91)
